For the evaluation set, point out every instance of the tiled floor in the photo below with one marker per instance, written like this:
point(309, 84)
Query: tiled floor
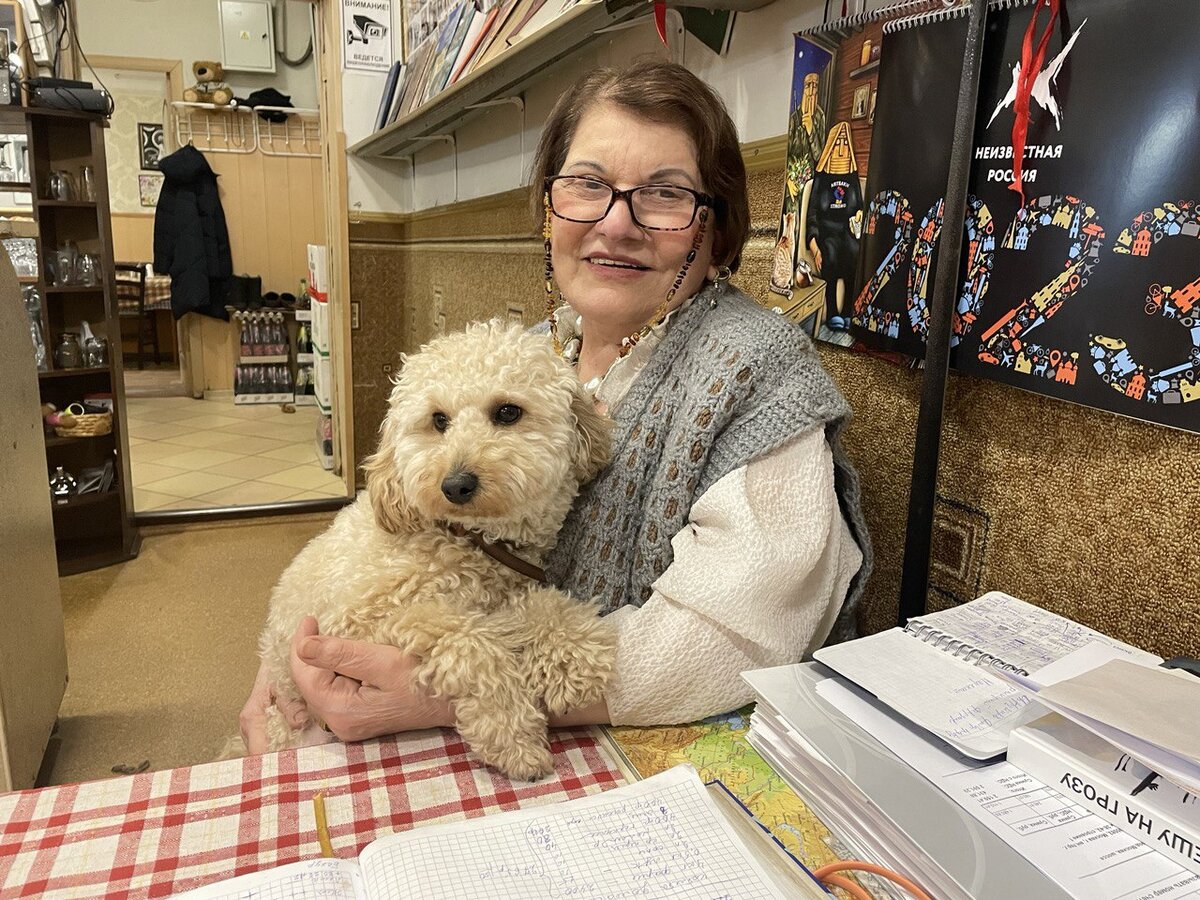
point(198, 454)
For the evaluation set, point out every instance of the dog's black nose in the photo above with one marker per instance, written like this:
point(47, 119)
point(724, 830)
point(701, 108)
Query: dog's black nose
point(459, 487)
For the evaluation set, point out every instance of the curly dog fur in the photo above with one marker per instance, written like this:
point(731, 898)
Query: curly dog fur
point(505, 648)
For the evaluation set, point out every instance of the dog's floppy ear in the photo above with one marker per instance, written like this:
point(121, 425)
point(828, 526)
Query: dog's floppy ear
point(383, 483)
point(593, 437)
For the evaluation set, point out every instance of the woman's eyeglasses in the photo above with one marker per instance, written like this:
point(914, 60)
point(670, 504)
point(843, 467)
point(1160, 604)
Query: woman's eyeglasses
point(658, 207)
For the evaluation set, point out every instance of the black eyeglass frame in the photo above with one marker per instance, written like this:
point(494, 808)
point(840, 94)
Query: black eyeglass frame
point(701, 199)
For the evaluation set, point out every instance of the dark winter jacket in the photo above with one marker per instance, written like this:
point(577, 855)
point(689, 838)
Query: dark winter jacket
point(191, 241)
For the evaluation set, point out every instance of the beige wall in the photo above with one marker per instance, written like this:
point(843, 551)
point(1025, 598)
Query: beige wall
point(133, 237)
point(122, 149)
point(187, 30)
point(1080, 511)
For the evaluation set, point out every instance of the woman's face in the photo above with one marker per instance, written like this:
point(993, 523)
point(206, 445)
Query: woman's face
point(615, 273)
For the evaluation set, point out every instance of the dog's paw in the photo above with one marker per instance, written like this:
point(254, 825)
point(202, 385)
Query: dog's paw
point(569, 681)
point(527, 763)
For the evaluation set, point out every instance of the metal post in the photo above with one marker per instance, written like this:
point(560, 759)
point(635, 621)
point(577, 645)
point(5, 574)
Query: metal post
point(914, 579)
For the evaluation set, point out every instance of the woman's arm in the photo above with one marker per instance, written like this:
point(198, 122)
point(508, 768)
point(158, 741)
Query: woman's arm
point(758, 577)
point(362, 690)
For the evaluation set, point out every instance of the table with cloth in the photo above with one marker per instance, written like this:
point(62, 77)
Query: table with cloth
point(158, 833)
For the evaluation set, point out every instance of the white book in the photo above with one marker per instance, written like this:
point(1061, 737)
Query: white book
point(929, 671)
point(666, 836)
point(1110, 783)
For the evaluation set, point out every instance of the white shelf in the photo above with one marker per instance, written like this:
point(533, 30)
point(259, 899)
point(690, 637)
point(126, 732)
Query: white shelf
point(305, 359)
point(500, 80)
point(251, 360)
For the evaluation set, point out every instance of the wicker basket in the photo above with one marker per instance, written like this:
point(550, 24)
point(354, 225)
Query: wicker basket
point(85, 425)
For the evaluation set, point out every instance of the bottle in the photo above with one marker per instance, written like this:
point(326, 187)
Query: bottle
point(68, 354)
point(244, 340)
point(87, 186)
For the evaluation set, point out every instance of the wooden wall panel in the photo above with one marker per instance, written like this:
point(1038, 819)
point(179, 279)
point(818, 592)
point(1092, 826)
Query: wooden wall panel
point(133, 237)
point(273, 209)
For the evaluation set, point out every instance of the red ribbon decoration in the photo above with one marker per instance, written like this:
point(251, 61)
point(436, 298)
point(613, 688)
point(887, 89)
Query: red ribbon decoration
point(1031, 67)
point(660, 21)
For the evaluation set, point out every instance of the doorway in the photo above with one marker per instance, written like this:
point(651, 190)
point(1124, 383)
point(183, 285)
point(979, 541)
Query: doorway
point(222, 409)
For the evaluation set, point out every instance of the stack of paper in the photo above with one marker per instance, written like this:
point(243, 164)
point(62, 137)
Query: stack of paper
point(961, 827)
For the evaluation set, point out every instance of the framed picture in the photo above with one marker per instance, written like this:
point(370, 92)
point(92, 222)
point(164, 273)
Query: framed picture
point(149, 187)
point(862, 97)
point(150, 143)
point(871, 112)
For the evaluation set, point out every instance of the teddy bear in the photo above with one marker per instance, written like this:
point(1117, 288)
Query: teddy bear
point(210, 84)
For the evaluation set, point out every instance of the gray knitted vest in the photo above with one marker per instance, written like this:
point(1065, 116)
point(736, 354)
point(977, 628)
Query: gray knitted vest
point(729, 383)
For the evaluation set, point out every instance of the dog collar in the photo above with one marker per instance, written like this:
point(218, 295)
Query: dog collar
point(501, 551)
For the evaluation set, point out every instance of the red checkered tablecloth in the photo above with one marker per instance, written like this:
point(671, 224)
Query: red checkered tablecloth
point(159, 833)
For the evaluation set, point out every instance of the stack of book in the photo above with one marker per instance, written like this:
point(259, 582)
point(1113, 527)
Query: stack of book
point(897, 741)
point(469, 37)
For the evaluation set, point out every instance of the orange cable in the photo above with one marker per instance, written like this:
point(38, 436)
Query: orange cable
point(858, 865)
point(850, 887)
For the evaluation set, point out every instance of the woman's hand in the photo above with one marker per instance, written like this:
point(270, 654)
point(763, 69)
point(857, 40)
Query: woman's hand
point(253, 719)
point(361, 690)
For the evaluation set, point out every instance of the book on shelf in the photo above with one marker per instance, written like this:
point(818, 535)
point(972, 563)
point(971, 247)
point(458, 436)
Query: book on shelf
point(418, 66)
point(475, 37)
point(669, 835)
point(512, 12)
point(1107, 781)
point(540, 17)
point(488, 38)
point(450, 40)
point(388, 97)
point(930, 670)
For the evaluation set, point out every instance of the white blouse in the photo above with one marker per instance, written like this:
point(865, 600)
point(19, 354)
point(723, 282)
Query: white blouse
point(758, 576)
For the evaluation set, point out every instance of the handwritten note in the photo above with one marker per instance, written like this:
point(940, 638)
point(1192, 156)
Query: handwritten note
point(1019, 633)
point(662, 837)
point(958, 701)
point(315, 879)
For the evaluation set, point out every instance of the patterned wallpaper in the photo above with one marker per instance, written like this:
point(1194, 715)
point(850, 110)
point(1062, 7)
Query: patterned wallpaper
point(123, 150)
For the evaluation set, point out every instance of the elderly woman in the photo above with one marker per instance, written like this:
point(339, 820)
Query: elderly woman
point(726, 534)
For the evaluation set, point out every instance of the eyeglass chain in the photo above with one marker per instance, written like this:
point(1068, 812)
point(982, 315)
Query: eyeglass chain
point(554, 297)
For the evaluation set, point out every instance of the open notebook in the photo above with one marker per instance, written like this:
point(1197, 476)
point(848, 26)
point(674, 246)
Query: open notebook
point(929, 671)
point(667, 836)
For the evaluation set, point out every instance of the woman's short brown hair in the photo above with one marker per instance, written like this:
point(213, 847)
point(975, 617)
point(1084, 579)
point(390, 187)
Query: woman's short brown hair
point(669, 94)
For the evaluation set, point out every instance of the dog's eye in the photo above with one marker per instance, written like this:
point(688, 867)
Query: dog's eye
point(506, 414)
point(441, 421)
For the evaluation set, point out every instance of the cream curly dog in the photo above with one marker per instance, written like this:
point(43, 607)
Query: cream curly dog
point(487, 431)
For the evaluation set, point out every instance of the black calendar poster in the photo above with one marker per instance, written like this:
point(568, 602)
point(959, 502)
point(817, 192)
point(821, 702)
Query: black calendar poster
point(1085, 289)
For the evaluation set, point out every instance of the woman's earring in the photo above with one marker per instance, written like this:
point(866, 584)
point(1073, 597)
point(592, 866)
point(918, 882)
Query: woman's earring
point(724, 273)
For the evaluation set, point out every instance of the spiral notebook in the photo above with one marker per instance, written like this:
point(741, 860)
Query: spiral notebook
point(930, 670)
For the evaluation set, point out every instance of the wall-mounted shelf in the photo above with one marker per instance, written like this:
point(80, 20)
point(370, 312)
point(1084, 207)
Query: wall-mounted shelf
point(863, 70)
point(505, 76)
point(67, 204)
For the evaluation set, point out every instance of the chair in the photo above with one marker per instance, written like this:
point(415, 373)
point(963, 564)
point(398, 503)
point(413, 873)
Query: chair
point(131, 304)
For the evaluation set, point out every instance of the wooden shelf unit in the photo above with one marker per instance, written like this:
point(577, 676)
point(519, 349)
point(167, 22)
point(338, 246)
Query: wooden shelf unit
point(90, 530)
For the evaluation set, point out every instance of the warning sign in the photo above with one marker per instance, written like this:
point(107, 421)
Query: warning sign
point(367, 34)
